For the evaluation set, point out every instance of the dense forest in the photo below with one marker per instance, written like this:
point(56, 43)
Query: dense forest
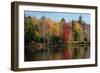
point(46, 39)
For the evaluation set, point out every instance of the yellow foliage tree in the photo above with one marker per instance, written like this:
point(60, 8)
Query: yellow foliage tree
point(78, 30)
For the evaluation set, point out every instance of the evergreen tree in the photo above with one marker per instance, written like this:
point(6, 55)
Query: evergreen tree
point(80, 19)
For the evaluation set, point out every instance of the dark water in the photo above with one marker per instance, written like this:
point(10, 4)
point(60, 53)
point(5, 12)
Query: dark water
point(55, 52)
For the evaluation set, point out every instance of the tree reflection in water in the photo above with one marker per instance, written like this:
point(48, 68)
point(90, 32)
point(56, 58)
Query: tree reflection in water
point(81, 51)
point(58, 52)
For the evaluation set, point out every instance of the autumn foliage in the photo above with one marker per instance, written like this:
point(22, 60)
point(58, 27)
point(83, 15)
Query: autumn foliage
point(52, 39)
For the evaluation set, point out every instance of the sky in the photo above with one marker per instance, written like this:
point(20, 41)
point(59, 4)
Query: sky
point(57, 16)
